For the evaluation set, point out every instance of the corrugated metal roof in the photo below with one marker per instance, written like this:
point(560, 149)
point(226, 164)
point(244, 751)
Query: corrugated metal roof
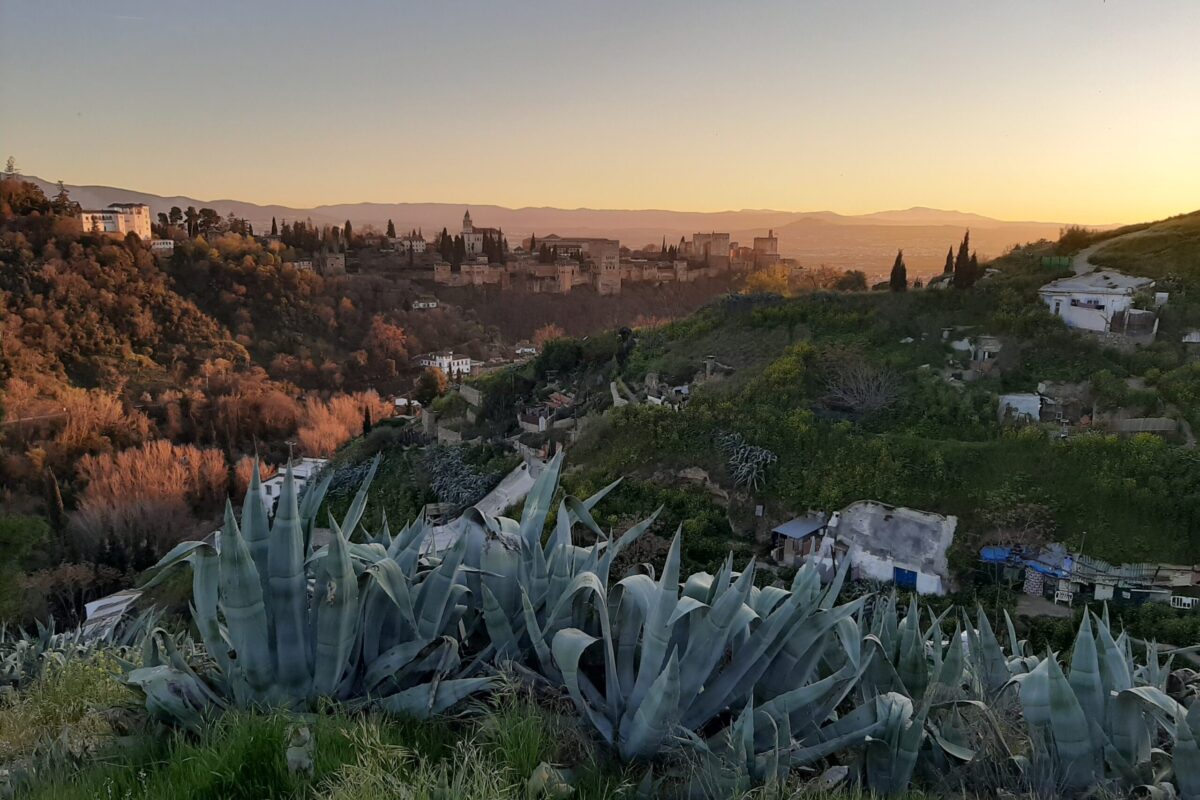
point(800, 527)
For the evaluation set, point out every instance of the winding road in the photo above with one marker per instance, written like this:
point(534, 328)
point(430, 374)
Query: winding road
point(1081, 262)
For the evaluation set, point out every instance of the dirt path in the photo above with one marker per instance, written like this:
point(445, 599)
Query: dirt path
point(1081, 262)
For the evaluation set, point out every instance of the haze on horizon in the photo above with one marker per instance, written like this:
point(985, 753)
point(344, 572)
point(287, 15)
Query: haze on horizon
point(1078, 110)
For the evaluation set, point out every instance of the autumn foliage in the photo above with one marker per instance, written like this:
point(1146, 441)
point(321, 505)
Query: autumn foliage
point(142, 497)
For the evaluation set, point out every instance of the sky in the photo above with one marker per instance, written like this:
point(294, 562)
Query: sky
point(1071, 110)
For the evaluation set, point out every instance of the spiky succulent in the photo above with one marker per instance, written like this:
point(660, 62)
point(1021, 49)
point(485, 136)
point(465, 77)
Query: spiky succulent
point(283, 624)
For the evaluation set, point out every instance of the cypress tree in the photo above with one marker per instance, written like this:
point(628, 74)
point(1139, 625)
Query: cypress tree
point(274, 227)
point(391, 230)
point(949, 262)
point(348, 233)
point(899, 278)
point(962, 263)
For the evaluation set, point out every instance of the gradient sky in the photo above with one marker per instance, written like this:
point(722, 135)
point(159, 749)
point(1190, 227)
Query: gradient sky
point(1066, 110)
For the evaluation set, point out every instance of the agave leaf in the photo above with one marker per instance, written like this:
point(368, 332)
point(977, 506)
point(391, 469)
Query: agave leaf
point(1085, 677)
point(538, 639)
point(913, 667)
point(891, 759)
point(1015, 646)
point(1051, 708)
point(656, 631)
point(1186, 756)
point(642, 733)
point(500, 630)
point(392, 581)
point(991, 667)
point(949, 676)
point(288, 598)
point(391, 661)
point(537, 502)
point(243, 607)
point(613, 549)
point(337, 616)
point(568, 647)
point(256, 528)
point(359, 504)
point(434, 595)
point(171, 695)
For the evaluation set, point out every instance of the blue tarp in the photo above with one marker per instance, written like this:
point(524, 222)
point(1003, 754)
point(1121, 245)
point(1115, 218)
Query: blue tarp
point(1054, 560)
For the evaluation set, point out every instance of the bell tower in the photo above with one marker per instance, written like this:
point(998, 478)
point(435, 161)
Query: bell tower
point(467, 226)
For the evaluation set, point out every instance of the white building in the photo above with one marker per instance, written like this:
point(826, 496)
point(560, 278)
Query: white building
point(473, 237)
point(162, 247)
point(884, 543)
point(118, 219)
point(447, 362)
point(425, 301)
point(413, 242)
point(1020, 407)
point(303, 471)
point(1091, 301)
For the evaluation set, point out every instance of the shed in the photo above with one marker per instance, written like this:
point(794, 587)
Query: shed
point(788, 539)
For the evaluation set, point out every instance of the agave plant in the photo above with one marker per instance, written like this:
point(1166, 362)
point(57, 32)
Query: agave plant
point(24, 658)
point(942, 718)
point(283, 625)
point(526, 590)
point(675, 663)
point(1095, 725)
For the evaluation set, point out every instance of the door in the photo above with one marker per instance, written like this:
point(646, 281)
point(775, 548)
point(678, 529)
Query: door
point(904, 578)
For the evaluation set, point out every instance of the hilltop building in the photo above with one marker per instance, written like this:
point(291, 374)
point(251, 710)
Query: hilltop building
point(765, 252)
point(414, 242)
point(118, 219)
point(712, 249)
point(473, 236)
point(303, 471)
point(447, 362)
point(330, 262)
point(883, 543)
point(1098, 301)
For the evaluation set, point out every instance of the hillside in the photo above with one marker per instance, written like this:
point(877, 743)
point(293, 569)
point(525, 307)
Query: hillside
point(1167, 249)
point(934, 442)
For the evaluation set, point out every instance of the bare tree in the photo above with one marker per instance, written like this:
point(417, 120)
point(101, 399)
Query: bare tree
point(861, 387)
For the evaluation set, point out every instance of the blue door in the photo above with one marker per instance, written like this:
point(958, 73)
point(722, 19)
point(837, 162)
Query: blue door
point(904, 578)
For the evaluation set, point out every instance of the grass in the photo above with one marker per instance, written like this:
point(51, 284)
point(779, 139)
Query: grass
point(1170, 247)
point(67, 710)
point(489, 753)
point(242, 756)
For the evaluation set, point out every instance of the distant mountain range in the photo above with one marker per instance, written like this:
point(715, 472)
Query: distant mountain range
point(865, 241)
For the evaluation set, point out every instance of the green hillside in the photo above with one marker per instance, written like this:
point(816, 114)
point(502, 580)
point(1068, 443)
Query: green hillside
point(1167, 249)
point(937, 445)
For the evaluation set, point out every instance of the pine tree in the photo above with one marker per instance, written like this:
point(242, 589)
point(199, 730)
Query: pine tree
point(366, 421)
point(899, 278)
point(274, 227)
point(391, 230)
point(949, 262)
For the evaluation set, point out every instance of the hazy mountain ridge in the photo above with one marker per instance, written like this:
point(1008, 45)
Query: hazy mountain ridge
point(866, 241)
